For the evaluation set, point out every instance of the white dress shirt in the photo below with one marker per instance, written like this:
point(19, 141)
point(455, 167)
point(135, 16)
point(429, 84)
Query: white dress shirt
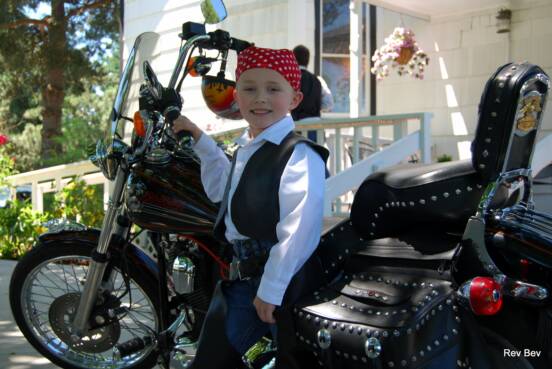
point(301, 196)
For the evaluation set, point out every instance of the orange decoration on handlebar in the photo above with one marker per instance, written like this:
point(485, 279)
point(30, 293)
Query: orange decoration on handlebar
point(139, 126)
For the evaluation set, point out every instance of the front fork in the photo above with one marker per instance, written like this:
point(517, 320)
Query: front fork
point(99, 260)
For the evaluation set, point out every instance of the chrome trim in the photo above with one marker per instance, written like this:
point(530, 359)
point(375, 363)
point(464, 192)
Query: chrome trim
point(507, 179)
point(97, 269)
point(59, 225)
point(182, 57)
point(522, 95)
point(521, 290)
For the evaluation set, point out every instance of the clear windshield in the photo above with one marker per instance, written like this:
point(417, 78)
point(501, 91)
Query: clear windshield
point(146, 48)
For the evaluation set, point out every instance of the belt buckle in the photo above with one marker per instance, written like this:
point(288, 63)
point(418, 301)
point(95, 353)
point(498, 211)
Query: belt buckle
point(239, 272)
point(235, 265)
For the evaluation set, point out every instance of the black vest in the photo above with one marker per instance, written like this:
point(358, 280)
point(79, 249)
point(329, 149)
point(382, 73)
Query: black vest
point(312, 97)
point(255, 203)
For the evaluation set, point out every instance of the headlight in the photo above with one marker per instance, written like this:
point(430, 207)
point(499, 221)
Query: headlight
point(108, 160)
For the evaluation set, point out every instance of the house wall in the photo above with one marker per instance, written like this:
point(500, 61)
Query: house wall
point(465, 45)
point(464, 50)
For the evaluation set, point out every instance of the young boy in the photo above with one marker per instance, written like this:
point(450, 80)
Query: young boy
point(271, 198)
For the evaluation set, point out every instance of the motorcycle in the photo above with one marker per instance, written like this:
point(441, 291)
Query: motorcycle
point(443, 265)
point(431, 264)
point(89, 298)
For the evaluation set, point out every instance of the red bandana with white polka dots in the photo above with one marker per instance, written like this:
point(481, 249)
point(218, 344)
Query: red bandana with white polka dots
point(280, 60)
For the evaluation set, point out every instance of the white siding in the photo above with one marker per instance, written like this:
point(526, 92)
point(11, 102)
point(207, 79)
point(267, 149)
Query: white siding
point(467, 43)
point(471, 51)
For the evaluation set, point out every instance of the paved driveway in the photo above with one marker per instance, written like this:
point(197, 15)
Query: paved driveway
point(15, 352)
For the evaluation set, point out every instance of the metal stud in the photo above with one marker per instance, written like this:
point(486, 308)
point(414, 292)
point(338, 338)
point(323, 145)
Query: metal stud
point(391, 364)
point(345, 355)
point(414, 359)
point(411, 203)
point(342, 326)
point(317, 320)
point(481, 166)
point(446, 195)
point(380, 208)
point(376, 215)
point(454, 331)
point(485, 153)
point(409, 331)
point(373, 224)
point(363, 359)
point(493, 114)
point(501, 84)
point(351, 329)
point(359, 331)
point(341, 228)
point(446, 337)
point(334, 302)
point(403, 363)
point(437, 343)
point(449, 301)
point(422, 353)
point(308, 317)
point(385, 334)
point(396, 333)
point(433, 198)
point(422, 201)
point(458, 191)
point(301, 314)
point(469, 189)
point(488, 140)
point(372, 347)
point(334, 325)
point(403, 204)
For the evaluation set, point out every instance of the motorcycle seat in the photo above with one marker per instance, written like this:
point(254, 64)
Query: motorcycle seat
point(404, 197)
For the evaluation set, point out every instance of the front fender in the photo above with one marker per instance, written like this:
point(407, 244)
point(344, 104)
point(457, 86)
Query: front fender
point(91, 236)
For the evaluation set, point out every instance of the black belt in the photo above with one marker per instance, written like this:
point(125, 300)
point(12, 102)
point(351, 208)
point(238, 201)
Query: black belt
point(250, 267)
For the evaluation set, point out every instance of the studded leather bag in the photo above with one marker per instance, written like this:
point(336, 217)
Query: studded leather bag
point(382, 318)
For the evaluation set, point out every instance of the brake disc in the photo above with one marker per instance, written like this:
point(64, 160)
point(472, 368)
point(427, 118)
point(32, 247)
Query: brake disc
point(61, 314)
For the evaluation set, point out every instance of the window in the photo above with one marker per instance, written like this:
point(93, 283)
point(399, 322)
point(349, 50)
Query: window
point(335, 63)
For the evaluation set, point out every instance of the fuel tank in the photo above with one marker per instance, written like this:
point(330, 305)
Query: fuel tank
point(167, 196)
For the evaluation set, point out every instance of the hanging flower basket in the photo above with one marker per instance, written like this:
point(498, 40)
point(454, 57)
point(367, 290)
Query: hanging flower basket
point(400, 51)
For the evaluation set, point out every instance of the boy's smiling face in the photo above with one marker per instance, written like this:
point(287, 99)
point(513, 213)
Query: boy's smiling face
point(264, 97)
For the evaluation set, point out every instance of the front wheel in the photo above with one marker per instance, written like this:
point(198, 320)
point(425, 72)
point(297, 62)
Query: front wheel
point(45, 291)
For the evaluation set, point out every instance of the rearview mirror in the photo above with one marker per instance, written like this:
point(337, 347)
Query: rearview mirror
point(213, 11)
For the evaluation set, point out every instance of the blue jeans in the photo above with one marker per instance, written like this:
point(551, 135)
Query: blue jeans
point(243, 326)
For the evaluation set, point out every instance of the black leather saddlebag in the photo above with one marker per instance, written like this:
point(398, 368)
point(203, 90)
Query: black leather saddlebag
point(384, 317)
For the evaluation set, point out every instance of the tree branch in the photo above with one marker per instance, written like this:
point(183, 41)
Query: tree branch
point(45, 22)
point(41, 23)
point(88, 6)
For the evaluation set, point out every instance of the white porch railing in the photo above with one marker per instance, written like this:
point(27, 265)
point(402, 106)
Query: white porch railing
point(358, 147)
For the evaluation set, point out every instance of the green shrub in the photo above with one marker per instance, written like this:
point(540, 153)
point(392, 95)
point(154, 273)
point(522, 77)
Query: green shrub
point(19, 228)
point(444, 158)
point(80, 202)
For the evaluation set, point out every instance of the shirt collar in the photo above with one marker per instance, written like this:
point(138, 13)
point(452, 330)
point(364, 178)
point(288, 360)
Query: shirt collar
point(275, 133)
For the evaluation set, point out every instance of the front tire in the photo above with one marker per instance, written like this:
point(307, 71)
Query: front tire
point(44, 288)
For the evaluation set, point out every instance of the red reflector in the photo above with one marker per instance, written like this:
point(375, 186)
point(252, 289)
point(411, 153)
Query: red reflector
point(484, 295)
